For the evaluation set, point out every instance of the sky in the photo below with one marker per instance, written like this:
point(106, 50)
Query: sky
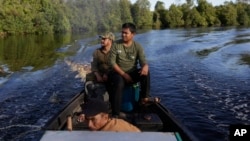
point(169, 2)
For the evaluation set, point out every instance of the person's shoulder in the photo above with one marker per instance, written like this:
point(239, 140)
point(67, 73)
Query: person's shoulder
point(119, 41)
point(127, 125)
point(97, 51)
point(121, 121)
point(137, 45)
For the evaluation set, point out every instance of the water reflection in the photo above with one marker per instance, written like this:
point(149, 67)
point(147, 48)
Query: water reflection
point(32, 52)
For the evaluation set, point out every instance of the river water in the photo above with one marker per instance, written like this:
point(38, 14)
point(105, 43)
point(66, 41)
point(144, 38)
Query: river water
point(202, 76)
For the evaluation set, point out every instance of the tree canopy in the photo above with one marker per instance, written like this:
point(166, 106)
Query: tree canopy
point(58, 16)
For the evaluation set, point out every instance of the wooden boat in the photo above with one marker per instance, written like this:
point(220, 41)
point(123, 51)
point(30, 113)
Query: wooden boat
point(162, 125)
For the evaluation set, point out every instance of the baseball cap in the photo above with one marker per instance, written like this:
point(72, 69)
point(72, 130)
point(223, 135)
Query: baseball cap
point(95, 106)
point(108, 35)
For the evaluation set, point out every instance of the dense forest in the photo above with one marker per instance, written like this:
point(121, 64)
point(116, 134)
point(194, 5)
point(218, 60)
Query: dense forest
point(59, 16)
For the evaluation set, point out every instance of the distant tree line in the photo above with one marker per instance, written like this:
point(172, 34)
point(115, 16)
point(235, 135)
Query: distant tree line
point(58, 16)
point(202, 14)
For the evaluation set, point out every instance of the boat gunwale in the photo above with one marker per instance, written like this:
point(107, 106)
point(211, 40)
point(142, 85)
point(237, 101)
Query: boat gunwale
point(69, 109)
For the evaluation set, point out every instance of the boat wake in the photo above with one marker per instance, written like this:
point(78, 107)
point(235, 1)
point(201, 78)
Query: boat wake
point(20, 125)
point(81, 69)
point(4, 74)
point(35, 128)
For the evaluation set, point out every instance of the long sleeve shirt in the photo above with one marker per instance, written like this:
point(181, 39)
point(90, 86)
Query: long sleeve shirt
point(100, 62)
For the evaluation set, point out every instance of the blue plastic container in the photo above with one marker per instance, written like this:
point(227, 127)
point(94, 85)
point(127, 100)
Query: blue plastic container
point(130, 97)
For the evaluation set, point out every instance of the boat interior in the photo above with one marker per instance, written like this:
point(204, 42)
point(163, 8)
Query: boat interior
point(161, 120)
point(145, 120)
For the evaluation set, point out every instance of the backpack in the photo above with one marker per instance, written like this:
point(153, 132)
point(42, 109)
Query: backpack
point(96, 91)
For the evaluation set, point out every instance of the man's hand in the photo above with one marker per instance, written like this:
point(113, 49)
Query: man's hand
point(144, 70)
point(99, 78)
point(127, 78)
point(105, 77)
point(81, 118)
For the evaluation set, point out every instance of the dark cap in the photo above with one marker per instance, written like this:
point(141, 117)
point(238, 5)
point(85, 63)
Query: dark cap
point(94, 107)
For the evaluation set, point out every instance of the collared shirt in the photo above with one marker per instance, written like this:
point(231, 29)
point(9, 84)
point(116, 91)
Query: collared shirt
point(127, 58)
point(100, 62)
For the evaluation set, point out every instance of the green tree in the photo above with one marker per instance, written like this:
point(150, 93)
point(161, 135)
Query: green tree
point(82, 15)
point(192, 17)
point(175, 17)
point(141, 14)
point(14, 18)
point(187, 14)
point(158, 15)
point(156, 20)
point(207, 11)
point(41, 16)
point(113, 16)
point(227, 14)
point(159, 6)
point(125, 11)
point(242, 16)
point(47, 16)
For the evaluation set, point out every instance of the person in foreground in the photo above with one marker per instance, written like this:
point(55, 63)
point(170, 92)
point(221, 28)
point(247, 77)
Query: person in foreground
point(125, 55)
point(96, 114)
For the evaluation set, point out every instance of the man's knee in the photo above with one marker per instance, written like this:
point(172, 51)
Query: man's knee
point(118, 80)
